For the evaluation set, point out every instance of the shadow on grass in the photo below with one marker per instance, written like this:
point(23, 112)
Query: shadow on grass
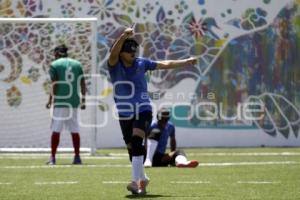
point(134, 196)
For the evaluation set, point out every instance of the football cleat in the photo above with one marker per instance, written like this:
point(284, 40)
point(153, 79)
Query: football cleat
point(143, 185)
point(76, 160)
point(133, 187)
point(51, 161)
point(189, 164)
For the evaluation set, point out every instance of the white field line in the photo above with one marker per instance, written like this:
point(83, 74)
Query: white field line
point(174, 182)
point(26, 157)
point(231, 154)
point(190, 182)
point(250, 163)
point(127, 166)
point(63, 166)
point(197, 182)
point(125, 182)
point(121, 156)
point(57, 183)
point(25, 154)
point(1, 183)
point(257, 182)
point(115, 182)
point(247, 154)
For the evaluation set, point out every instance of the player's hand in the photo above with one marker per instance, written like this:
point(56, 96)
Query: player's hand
point(48, 105)
point(191, 61)
point(128, 32)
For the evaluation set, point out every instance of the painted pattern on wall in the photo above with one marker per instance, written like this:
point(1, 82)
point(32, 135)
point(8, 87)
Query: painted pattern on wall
point(247, 51)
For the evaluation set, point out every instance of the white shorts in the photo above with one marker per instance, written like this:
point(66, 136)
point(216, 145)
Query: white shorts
point(65, 117)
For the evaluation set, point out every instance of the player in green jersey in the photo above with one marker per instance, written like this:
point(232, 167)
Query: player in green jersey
point(67, 79)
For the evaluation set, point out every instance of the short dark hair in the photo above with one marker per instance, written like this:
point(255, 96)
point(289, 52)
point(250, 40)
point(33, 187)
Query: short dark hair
point(61, 50)
point(130, 45)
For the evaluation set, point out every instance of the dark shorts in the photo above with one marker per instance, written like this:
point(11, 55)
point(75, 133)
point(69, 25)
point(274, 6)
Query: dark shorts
point(158, 162)
point(142, 121)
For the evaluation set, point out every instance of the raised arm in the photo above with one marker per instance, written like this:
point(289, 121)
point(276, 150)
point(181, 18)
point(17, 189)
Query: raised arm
point(116, 48)
point(170, 64)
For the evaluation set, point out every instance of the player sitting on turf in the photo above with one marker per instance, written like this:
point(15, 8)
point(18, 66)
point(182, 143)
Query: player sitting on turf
point(157, 141)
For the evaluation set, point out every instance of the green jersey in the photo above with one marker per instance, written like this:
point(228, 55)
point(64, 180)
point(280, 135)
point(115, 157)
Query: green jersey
point(67, 73)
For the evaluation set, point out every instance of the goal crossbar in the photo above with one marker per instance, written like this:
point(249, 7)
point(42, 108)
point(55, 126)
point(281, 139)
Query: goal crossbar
point(46, 20)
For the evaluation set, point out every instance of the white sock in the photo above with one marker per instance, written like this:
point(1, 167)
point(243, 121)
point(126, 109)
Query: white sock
point(180, 159)
point(151, 148)
point(143, 175)
point(137, 167)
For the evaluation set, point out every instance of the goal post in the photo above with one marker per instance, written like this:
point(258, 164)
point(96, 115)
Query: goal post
point(26, 51)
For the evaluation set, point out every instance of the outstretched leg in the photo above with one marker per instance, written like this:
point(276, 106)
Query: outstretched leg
point(180, 160)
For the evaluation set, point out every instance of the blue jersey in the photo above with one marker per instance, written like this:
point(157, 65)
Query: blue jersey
point(165, 133)
point(130, 86)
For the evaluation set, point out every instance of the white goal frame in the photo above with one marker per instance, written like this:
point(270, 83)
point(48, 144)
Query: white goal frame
point(93, 134)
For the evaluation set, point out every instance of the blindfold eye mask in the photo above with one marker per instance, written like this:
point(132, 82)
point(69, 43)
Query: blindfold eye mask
point(163, 115)
point(130, 46)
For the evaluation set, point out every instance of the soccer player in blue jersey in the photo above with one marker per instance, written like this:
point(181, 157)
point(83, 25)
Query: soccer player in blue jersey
point(127, 74)
point(159, 133)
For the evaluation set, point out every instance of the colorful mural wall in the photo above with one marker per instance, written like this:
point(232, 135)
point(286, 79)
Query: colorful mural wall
point(247, 51)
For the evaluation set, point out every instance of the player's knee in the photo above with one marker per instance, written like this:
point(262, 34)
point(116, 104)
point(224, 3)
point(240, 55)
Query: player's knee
point(154, 135)
point(137, 146)
point(129, 149)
